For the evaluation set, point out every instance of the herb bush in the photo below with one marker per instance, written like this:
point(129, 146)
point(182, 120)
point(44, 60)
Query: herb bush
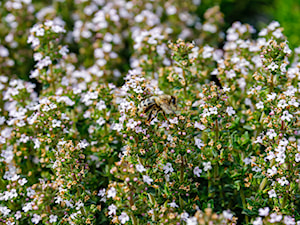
point(77, 149)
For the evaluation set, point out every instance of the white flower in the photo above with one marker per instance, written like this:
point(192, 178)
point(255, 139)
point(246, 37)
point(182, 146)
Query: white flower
point(282, 104)
point(174, 120)
point(275, 218)
point(168, 168)
point(207, 51)
point(63, 51)
point(258, 221)
point(259, 105)
point(207, 166)
point(198, 142)
point(52, 218)
point(227, 214)
point(297, 157)
point(294, 103)
point(271, 172)
point(191, 221)
point(112, 210)
point(56, 123)
point(286, 116)
point(283, 181)
point(197, 171)
point(264, 211)
point(147, 179)
point(230, 74)
point(36, 218)
point(273, 66)
point(101, 105)
point(173, 204)
point(272, 194)
point(101, 192)
point(271, 96)
point(199, 125)
point(140, 168)
point(123, 218)
point(213, 110)
point(111, 193)
point(271, 133)
point(230, 111)
point(100, 121)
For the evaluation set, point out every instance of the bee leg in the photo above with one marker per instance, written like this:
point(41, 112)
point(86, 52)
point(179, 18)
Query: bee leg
point(164, 114)
point(149, 119)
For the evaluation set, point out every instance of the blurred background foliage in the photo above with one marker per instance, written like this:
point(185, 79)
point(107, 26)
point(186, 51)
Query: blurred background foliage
point(259, 13)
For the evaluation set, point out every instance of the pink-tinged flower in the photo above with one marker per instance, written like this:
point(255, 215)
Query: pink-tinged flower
point(207, 52)
point(112, 210)
point(258, 221)
point(273, 66)
point(288, 220)
point(264, 211)
point(297, 157)
point(230, 74)
point(286, 116)
point(174, 120)
point(168, 168)
point(272, 193)
point(147, 179)
point(271, 133)
point(101, 192)
point(198, 142)
point(173, 204)
point(197, 171)
point(275, 218)
point(52, 218)
point(230, 111)
point(111, 193)
point(140, 168)
point(199, 126)
point(259, 105)
point(123, 218)
point(271, 172)
point(283, 181)
point(282, 104)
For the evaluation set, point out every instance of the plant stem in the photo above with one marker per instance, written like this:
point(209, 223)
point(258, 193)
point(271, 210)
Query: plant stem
point(242, 195)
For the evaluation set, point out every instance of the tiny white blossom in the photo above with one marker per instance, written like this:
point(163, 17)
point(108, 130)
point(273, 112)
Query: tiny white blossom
point(147, 179)
point(207, 166)
point(259, 105)
point(230, 111)
point(271, 133)
point(197, 171)
point(286, 116)
point(198, 142)
point(273, 66)
point(271, 97)
point(112, 210)
point(123, 218)
point(111, 193)
point(140, 168)
point(272, 193)
point(168, 168)
point(264, 211)
point(52, 218)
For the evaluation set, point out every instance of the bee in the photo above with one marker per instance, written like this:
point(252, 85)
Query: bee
point(166, 104)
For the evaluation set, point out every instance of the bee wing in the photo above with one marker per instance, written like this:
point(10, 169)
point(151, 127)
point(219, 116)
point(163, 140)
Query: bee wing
point(167, 108)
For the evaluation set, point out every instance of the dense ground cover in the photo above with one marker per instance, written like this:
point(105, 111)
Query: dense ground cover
point(76, 148)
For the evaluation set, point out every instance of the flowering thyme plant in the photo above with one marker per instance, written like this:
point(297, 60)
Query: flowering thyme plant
point(76, 146)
